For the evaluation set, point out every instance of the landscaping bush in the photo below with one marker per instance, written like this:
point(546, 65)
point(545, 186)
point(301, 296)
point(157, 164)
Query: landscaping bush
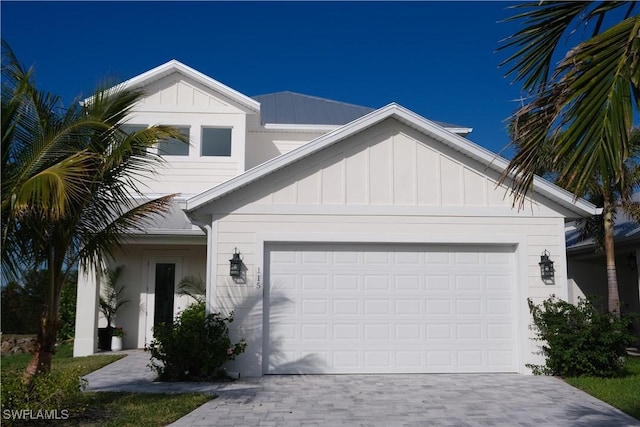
point(68, 296)
point(53, 396)
point(578, 340)
point(195, 347)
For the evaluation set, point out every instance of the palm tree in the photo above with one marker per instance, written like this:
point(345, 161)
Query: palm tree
point(584, 106)
point(69, 185)
point(112, 294)
point(615, 198)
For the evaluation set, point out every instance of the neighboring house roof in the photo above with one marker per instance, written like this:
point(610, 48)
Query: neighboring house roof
point(296, 108)
point(624, 231)
point(545, 188)
point(175, 66)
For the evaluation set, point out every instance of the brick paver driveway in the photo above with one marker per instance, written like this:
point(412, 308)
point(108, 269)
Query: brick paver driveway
point(404, 400)
point(373, 400)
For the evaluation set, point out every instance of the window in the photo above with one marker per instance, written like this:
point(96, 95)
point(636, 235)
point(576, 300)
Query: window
point(215, 142)
point(131, 128)
point(174, 147)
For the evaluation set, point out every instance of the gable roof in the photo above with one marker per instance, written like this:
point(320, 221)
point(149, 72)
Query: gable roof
point(564, 198)
point(175, 66)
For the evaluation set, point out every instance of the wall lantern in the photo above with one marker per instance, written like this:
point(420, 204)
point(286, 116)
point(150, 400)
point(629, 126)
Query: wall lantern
point(631, 261)
point(546, 266)
point(235, 269)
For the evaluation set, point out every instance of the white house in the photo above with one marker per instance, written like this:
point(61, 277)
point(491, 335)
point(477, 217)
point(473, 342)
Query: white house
point(371, 240)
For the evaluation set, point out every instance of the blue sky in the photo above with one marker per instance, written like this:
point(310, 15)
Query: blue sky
point(435, 58)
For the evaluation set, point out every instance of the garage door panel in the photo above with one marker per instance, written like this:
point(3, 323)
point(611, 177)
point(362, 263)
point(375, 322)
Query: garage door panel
point(389, 308)
point(407, 283)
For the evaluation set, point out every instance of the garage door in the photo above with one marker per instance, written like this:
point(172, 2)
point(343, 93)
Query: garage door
point(385, 308)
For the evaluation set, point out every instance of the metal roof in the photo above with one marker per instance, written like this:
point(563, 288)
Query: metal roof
point(624, 231)
point(298, 109)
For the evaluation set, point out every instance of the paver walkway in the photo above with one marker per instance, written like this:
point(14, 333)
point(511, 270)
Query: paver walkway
point(374, 400)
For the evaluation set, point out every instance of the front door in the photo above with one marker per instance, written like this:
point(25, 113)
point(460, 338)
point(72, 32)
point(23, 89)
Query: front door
point(163, 274)
point(164, 292)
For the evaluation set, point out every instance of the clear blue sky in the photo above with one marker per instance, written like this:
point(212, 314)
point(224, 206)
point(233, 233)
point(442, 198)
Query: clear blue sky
point(435, 58)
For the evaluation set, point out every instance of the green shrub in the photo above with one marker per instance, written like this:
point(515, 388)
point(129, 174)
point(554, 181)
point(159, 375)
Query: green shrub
point(195, 347)
point(53, 396)
point(68, 296)
point(578, 340)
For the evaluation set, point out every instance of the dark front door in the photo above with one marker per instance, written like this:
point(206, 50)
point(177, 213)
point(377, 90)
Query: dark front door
point(165, 289)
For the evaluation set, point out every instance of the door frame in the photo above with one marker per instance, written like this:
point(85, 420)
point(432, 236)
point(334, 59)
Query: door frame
point(147, 297)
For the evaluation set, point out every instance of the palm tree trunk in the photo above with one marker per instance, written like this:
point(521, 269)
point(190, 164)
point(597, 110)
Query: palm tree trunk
point(41, 360)
point(48, 326)
point(613, 300)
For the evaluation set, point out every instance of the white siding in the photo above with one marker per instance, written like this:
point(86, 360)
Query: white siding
point(244, 231)
point(389, 184)
point(264, 145)
point(387, 165)
point(176, 100)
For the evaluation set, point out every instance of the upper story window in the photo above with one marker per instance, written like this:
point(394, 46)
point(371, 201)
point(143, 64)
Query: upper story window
point(215, 142)
point(131, 128)
point(174, 147)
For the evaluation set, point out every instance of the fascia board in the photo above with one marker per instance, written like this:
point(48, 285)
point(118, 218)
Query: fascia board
point(177, 66)
point(581, 207)
point(298, 128)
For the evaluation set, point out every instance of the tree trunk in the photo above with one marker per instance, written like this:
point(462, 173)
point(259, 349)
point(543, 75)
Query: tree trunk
point(45, 346)
point(613, 300)
point(48, 328)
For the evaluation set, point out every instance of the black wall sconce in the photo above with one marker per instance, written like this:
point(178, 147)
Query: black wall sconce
point(546, 266)
point(631, 261)
point(235, 264)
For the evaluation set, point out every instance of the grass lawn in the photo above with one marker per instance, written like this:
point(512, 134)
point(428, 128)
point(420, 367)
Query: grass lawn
point(111, 409)
point(623, 392)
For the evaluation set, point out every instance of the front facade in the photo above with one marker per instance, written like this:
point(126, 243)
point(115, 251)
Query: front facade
point(379, 243)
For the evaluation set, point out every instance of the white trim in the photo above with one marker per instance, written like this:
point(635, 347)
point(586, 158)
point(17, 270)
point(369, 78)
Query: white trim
point(562, 260)
point(459, 131)
point(275, 127)
point(580, 207)
point(386, 210)
point(211, 266)
point(519, 243)
point(176, 66)
point(149, 258)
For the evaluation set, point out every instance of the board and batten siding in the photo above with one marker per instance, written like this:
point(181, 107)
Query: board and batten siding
point(387, 184)
point(178, 101)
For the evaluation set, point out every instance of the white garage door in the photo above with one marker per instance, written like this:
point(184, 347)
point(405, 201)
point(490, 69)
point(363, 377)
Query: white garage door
point(389, 308)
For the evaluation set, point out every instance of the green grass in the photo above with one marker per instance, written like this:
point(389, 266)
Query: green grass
point(622, 392)
point(62, 359)
point(110, 409)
